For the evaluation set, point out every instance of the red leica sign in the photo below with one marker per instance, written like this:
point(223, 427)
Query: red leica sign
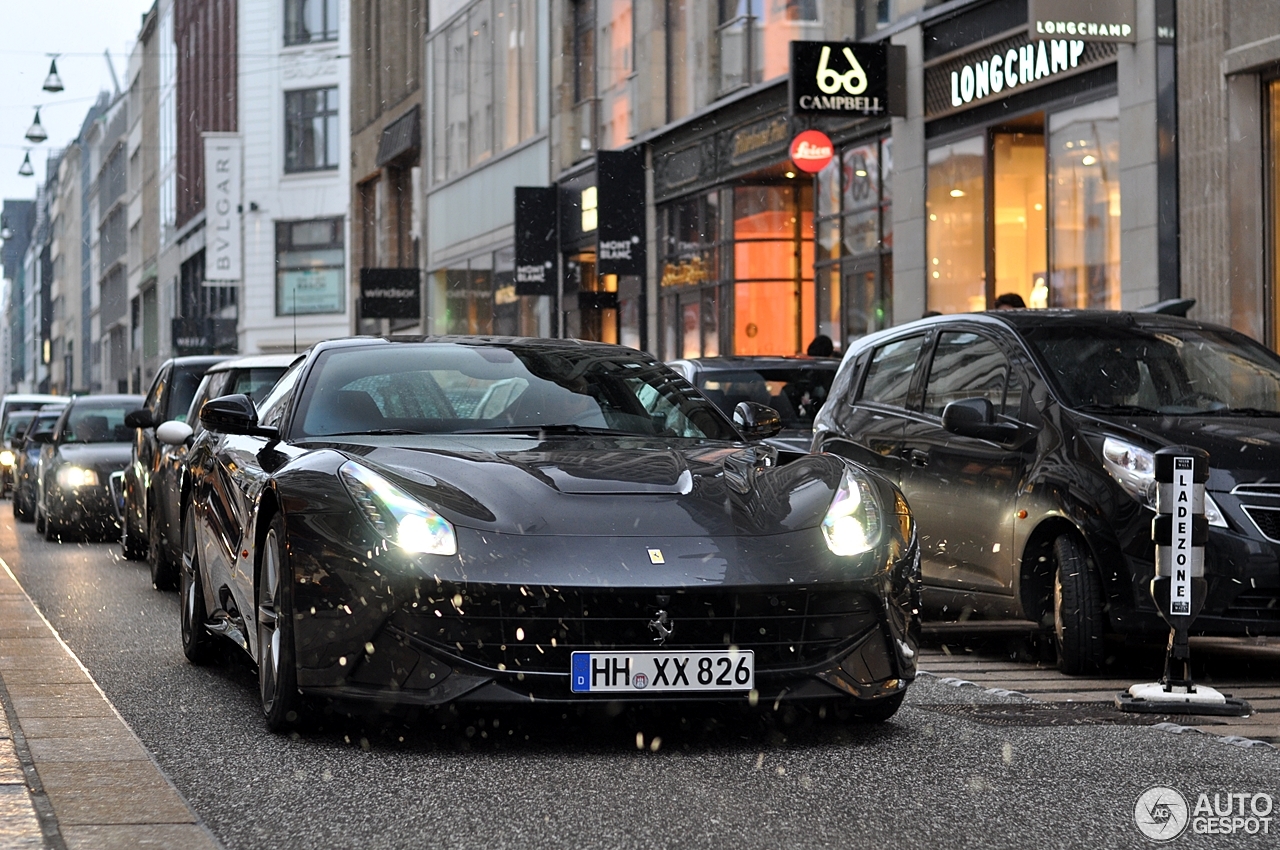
point(811, 151)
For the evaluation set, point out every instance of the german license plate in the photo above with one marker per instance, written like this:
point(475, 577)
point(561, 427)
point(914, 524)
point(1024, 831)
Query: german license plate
point(662, 672)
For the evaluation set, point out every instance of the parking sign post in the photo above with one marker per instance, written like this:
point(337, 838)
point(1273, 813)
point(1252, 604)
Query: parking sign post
point(1179, 532)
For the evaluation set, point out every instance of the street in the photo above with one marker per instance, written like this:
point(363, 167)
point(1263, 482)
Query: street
point(966, 762)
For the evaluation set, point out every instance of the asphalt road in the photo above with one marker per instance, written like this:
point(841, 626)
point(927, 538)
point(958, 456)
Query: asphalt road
point(932, 777)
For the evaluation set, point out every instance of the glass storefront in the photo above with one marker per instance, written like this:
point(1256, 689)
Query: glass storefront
point(737, 271)
point(479, 297)
point(1030, 207)
point(854, 241)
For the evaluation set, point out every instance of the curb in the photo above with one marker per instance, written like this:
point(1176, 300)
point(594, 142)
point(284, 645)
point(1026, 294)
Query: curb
point(73, 775)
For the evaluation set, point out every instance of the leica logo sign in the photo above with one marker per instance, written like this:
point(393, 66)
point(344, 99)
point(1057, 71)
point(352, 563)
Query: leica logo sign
point(811, 151)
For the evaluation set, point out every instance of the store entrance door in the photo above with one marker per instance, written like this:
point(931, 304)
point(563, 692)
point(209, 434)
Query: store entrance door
point(590, 300)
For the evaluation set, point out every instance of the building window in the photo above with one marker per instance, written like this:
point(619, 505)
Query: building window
point(310, 21)
point(484, 68)
point(755, 38)
point(616, 72)
point(691, 284)
point(1272, 117)
point(309, 267)
point(956, 244)
point(311, 130)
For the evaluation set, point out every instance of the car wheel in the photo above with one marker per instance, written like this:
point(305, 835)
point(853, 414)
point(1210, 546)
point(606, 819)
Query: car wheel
point(39, 519)
point(277, 673)
point(197, 643)
point(135, 548)
point(21, 510)
point(162, 567)
point(52, 530)
point(1079, 616)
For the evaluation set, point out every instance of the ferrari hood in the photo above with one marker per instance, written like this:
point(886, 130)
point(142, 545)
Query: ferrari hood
point(623, 487)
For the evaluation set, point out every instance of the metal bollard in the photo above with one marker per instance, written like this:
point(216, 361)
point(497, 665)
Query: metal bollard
point(1179, 532)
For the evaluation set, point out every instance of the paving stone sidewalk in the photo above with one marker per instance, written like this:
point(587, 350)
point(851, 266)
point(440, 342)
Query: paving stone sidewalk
point(73, 776)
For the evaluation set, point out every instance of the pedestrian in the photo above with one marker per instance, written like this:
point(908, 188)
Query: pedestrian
point(1009, 301)
point(822, 346)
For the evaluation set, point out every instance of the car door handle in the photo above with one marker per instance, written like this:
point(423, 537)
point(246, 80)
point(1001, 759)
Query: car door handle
point(917, 457)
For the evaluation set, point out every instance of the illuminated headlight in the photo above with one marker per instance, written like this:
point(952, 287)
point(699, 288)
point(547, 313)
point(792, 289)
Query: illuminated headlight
point(6, 458)
point(852, 523)
point(396, 515)
point(72, 477)
point(1134, 469)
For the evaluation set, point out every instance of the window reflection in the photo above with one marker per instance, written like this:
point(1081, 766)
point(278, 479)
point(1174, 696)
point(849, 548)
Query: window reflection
point(1084, 186)
point(956, 252)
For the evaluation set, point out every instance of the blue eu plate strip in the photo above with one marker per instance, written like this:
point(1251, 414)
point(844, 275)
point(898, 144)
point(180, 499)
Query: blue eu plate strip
point(581, 672)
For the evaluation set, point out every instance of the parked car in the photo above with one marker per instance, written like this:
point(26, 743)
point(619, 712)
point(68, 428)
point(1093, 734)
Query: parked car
point(11, 429)
point(81, 467)
point(796, 387)
point(150, 466)
point(9, 405)
point(27, 459)
point(1023, 441)
point(155, 480)
point(481, 520)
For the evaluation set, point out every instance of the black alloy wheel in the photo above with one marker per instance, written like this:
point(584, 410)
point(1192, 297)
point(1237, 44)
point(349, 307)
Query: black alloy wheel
point(1079, 615)
point(163, 574)
point(197, 643)
point(277, 672)
point(135, 548)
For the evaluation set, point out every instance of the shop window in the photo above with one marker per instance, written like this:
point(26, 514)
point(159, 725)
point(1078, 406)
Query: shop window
point(311, 130)
point(691, 303)
point(1018, 166)
point(309, 267)
point(772, 252)
point(1084, 189)
point(956, 239)
point(310, 21)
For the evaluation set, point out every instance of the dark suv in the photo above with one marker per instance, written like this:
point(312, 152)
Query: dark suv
point(1023, 441)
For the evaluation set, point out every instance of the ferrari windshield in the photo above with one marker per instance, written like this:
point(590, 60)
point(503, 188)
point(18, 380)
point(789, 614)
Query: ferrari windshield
point(452, 388)
point(1161, 371)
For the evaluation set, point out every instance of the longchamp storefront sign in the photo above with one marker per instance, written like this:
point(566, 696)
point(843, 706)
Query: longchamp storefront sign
point(1013, 64)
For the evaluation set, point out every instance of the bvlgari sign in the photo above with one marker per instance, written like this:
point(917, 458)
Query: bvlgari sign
point(846, 78)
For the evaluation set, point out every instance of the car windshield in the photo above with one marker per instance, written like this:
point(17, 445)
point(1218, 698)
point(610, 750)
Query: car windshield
point(444, 388)
point(796, 393)
point(98, 424)
point(44, 423)
point(1161, 371)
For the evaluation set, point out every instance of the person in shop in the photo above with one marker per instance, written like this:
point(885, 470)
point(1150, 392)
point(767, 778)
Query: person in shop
point(1009, 301)
point(822, 346)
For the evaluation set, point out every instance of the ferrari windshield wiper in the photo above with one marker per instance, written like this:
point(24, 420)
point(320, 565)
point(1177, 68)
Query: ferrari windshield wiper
point(564, 428)
point(1133, 409)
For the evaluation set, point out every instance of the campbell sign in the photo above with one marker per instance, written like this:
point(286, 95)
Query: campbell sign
point(812, 150)
point(847, 78)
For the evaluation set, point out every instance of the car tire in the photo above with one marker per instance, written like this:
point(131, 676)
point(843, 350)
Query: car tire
point(1079, 613)
point(277, 671)
point(880, 710)
point(52, 530)
point(197, 642)
point(21, 508)
point(163, 574)
point(135, 548)
point(39, 519)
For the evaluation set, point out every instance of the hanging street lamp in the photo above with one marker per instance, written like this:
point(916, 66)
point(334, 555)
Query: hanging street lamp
point(53, 83)
point(25, 169)
point(36, 133)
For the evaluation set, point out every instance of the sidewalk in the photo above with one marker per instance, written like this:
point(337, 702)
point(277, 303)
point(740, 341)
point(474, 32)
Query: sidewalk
point(73, 776)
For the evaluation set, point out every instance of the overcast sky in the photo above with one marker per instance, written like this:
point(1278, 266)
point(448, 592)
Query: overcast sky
point(80, 30)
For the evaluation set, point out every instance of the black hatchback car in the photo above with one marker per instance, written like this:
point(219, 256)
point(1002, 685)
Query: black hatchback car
point(1023, 441)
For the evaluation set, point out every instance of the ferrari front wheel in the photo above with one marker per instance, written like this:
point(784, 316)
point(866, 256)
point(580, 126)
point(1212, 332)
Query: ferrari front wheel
point(277, 672)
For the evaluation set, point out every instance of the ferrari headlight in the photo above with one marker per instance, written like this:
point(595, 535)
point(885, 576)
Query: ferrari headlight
point(6, 458)
point(396, 515)
point(1134, 469)
point(72, 477)
point(852, 523)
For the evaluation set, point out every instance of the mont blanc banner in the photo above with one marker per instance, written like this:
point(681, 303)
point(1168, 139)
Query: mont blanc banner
point(223, 198)
point(620, 218)
point(536, 240)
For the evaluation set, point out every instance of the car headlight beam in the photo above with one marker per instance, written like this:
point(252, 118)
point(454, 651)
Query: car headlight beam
point(6, 457)
point(396, 515)
point(74, 477)
point(852, 523)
